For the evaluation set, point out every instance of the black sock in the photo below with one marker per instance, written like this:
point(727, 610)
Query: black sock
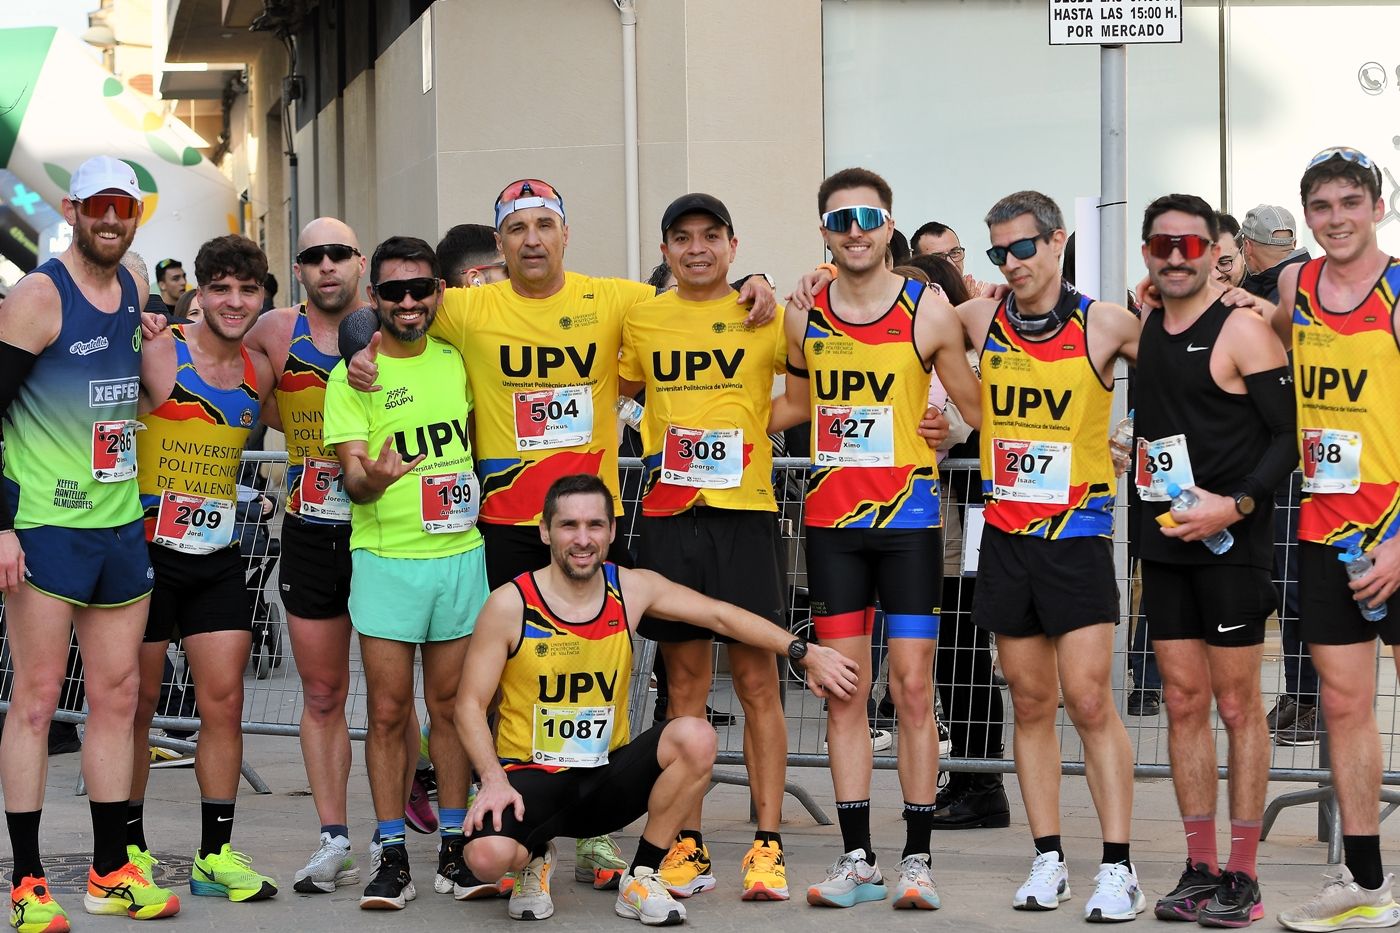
point(216, 819)
point(24, 842)
point(136, 824)
point(336, 829)
point(1045, 844)
point(648, 856)
point(1361, 854)
point(854, 817)
point(1115, 853)
point(693, 834)
point(918, 828)
point(108, 835)
point(763, 835)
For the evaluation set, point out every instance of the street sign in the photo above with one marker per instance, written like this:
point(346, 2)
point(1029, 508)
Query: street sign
point(1114, 22)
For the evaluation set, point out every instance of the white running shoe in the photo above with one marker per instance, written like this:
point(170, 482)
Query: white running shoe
point(1117, 895)
point(1046, 886)
point(1344, 904)
point(915, 887)
point(529, 898)
point(332, 866)
point(851, 881)
point(644, 897)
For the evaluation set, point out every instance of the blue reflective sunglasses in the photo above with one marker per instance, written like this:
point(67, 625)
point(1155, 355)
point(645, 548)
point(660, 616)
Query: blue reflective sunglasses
point(867, 218)
point(1347, 154)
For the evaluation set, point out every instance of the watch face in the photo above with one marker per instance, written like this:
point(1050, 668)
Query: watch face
point(1244, 503)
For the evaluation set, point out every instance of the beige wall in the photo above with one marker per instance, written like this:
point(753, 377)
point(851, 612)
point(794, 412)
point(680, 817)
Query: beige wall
point(721, 109)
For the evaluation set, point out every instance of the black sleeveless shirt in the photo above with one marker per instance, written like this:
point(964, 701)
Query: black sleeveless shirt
point(1225, 435)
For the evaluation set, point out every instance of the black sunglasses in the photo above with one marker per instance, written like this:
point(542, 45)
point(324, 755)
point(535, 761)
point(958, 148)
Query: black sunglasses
point(339, 252)
point(1021, 249)
point(396, 289)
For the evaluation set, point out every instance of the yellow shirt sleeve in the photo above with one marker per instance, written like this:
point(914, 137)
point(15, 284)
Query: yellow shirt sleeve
point(450, 324)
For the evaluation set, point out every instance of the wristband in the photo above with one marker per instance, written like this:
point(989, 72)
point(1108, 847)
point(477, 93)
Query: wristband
point(829, 267)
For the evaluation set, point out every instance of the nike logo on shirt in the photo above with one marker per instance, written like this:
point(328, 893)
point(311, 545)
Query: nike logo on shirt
point(1192, 348)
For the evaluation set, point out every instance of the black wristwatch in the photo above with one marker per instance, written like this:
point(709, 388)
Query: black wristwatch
point(1244, 503)
point(797, 650)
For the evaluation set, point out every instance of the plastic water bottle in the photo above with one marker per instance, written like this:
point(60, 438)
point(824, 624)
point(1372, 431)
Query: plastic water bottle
point(629, 412)
point(1122, 436)
point(1120, 444)
point(1183, 501)
point(1358, 565)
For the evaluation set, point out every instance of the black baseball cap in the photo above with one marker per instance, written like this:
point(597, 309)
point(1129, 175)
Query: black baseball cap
point(695, 203)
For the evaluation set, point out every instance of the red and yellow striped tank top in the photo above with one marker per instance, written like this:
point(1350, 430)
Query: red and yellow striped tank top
point(1046, 469)
point(868, 388)
point(1347, 371)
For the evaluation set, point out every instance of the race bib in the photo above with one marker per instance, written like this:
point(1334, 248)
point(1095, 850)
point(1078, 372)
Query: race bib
point(194, 524)
point(705, 459)
point(1331, 461)
point(323, 492)
point(450, 502)
point(854, 436)
point(553, 418)
point(1031, 471)
point(114, 450)
point(1161, 463)
point(573, 736)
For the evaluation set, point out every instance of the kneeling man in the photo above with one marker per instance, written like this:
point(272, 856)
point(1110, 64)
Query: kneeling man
point(557, 645)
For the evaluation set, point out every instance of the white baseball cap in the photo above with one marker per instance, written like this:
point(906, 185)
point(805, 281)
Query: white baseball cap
point(103, 173)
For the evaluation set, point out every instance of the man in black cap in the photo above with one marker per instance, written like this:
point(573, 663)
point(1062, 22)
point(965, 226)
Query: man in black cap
point(709, 516)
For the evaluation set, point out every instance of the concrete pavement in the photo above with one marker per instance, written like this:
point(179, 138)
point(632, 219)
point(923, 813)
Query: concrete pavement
point(977, 871)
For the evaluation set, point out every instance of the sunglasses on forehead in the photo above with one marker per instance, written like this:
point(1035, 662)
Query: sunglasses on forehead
point(1347, 154)
point(396, 289)
point(867, 218)
point(1022, 249)
point(1161, 245)
point(97, 205)
point(339, 252)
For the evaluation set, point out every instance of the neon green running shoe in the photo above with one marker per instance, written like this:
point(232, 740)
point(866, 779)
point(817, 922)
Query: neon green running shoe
point(33, 909)
point(598, 861)
point(230, 874)
point(144, 860)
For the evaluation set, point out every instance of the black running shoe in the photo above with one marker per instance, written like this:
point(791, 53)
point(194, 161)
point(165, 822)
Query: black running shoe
point(1237, 902)
point(392, 886)
point(1196, 887)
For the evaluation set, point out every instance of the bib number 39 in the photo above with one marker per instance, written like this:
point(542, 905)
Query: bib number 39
point(114, 450)
point(1161, 463)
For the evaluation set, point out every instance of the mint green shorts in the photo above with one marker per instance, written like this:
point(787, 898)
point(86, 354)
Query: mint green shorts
point(417, 600)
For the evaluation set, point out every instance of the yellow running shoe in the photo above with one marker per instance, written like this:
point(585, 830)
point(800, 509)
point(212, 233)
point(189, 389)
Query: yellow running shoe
point(686, 868)
point(765, 875)
point(128, 891)
point(33, 909)
point(227, 873)
point(144, 860)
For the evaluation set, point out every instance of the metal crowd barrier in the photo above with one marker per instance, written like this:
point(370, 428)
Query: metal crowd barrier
point(272, 701)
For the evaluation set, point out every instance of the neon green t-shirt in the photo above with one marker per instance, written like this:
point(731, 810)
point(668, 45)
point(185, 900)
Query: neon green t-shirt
point(423, 407)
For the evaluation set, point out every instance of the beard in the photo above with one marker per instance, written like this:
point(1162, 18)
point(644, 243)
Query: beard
point(408, 334)
point(561, 560)
point(104, 254)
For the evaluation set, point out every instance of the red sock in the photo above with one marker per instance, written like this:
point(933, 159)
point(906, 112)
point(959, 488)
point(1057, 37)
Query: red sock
point(1200, 841)
point(1244, 847)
